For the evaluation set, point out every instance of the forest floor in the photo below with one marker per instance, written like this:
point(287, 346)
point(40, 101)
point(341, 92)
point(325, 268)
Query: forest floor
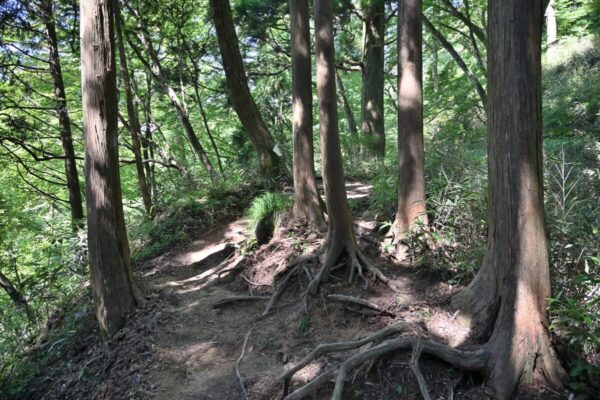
point(184, 345)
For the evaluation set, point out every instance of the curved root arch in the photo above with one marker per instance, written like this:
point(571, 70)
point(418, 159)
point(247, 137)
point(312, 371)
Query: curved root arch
point(470, 360)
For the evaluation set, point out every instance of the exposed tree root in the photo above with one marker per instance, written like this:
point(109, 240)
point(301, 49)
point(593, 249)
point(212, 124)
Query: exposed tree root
point(234, 299)
point(414, 365)
point(341, 346)
point(332, 251)
point(279, 290)
point(237, 365)
point(474, 360)
point(360, 302)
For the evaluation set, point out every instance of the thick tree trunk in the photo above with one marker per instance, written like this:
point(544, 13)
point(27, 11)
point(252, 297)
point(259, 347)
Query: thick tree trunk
point(411, 179)
point(271, 164)
point(112, 284)
point(66, 137)
point(134, 123)
point(372, 125)
point(306, 196)
point(340, 233)
point(353, 148)
point(509, 294)
point(17, 298)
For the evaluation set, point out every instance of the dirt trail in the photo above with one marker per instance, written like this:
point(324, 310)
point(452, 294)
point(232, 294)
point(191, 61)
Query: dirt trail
point(196, 350)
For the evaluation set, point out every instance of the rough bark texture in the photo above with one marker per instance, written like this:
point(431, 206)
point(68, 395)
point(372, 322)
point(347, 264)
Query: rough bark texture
point(17, 297)
point(134, 123)
point(340, 238)
point(508, 295)
point(271, 164)
point(306, 197)
point(66, 137)
point(112, 284)
point(372, 125)
point(411, 180)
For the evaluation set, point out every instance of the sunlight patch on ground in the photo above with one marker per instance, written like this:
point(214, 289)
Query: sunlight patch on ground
point(200, 249)
point(308, 373)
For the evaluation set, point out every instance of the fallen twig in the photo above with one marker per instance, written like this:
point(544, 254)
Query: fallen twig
point(237, 365)
point(360, 302)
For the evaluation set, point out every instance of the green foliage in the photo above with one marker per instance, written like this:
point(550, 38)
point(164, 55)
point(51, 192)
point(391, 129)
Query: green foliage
point(189, 214)
point(265, 212)
point(578, 316)
point(577, 17)
point(571, 93)
point(20, 367)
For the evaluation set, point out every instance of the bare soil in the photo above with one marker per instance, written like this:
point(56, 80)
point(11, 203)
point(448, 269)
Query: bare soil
point(179, 346)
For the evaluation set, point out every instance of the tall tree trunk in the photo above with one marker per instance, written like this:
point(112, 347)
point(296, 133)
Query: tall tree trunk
point(459, 61)
point(134, 123)
point(66, 137)
point(147, 134)
point(340, 238)
point(411, 179)
point(196, 72)
point(17, 298)
point(354, 150)
point(508, 297)
point(271, 164)
point(306, 196)
point(157, 72)
point(372, 125)
point(112, 284)
point(551, 35)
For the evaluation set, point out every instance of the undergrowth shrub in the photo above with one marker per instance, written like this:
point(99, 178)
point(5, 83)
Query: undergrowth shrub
point(265, 213)
point(176, 222)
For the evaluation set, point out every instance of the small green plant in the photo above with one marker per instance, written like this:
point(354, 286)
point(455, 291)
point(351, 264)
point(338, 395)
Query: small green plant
point(304, 325)
point(265, 342)
point(578, 316)
point(265, 213)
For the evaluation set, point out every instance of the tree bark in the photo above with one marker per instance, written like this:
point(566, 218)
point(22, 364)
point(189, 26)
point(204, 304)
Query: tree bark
point(459, 61)
point(306, 196)
point(134, 123)
point(508, 297)
point(271, 163)
point(411, 179)
point(112, 283)
point(66, 137)
point(372, 125)
point(340, 238)
point(17, 298)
